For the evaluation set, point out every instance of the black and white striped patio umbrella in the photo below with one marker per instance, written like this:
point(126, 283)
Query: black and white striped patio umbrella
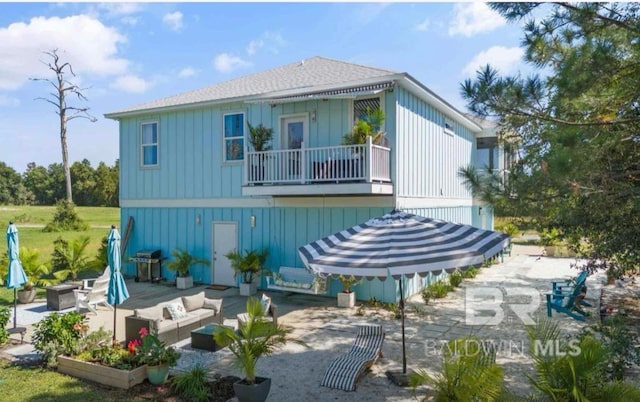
point(400, 243)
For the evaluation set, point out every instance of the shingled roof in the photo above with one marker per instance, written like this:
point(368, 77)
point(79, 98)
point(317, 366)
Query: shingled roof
point(314, 74)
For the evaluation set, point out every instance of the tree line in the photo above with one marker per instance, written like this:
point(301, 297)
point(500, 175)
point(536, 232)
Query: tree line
point(40, 185)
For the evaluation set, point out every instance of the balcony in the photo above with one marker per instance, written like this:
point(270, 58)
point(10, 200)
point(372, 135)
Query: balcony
point(337, 170)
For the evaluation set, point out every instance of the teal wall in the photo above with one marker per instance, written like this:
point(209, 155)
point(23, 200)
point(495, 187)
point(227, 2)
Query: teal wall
point(281, 230)
point(190, 146)
point(427, 158)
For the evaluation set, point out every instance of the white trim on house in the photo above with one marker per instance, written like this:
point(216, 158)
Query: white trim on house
point(324, 189)
point(266, 202)
point(141, 163)
point(415, 202)
point(245, 129)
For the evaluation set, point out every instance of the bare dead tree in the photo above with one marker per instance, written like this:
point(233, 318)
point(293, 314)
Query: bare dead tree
point(58, 98)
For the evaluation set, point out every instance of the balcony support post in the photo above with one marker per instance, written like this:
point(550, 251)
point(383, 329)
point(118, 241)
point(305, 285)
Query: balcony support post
point(303, 163)
point(368, 163)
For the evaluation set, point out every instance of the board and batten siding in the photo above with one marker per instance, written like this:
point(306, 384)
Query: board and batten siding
point(282, 230)
point(427, 158)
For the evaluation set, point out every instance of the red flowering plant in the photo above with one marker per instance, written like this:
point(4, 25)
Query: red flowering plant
point(152, 351)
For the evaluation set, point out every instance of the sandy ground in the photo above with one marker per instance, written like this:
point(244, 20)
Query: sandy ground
point(296, 372)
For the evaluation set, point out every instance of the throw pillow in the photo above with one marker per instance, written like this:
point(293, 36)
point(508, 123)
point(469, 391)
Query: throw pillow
point(266, 304)
point(193, 302)
point(176, 310)
point(213, 304)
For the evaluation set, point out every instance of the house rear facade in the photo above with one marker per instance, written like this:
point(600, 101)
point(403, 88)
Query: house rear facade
point(190, 178)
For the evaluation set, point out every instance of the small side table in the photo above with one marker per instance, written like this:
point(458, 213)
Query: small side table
point(18, 330)
point(61, 297)
point(202, 338)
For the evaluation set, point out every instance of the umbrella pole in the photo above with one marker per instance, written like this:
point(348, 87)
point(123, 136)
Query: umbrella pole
point(115, 309)
point(404, 351)
point(15, 308)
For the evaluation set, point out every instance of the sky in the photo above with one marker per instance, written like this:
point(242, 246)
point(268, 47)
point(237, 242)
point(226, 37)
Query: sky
point(124, 54)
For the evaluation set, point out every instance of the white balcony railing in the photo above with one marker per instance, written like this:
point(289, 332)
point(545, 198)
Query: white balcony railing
point(366, 163)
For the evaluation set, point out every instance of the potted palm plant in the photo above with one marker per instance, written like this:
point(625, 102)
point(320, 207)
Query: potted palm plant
point(35, 271)
point(246, 267)
point(181, 264)
point(256, 338)
point(347, 298)
point(260, 138)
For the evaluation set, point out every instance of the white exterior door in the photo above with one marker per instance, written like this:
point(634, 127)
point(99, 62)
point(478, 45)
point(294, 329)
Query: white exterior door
point(293, 131)
point(225, 239)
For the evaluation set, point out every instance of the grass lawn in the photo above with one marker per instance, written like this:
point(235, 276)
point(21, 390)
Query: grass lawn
point(30, 220)
point(28, 383)
point(94, 216)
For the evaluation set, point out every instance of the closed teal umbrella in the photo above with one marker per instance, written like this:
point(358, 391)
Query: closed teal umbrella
point(16, 276)
point(117, 292)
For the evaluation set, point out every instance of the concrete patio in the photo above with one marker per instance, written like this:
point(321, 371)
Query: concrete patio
point(296, 371)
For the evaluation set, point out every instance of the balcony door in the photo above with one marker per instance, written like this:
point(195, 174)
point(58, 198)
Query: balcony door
point(294, 130)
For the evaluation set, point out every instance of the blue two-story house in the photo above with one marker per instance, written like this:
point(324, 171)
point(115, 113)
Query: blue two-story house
point(189, 177)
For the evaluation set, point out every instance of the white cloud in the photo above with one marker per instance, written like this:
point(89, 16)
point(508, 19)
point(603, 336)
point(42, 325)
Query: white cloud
point(367, 13)
point(129, 20)
point(504, 59)
point(423, 25)
point(131, 83)
point(187, 72)
point(8, 101)
point(22, 46)
point(269, 40)
point(473, 18)
point(173, 20)
point(118, 9)
point(226, 63)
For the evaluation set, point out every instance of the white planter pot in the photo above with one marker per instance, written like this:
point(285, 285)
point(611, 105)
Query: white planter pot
point(184, 282)
point(248, 289)
point(347, 300)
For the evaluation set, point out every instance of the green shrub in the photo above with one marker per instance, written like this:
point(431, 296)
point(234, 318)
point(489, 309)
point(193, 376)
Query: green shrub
point(5, 313)
point(510, 229)
point(439, 289)
point(426, 295)
point(192, 385)
point(469, 373)
point(57, 334)
point(471, 272)
point(65, 219)
point(455, 278)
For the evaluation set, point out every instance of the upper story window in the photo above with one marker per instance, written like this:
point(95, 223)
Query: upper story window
point(363, 107)
point(149, 144)
point(233, 137)
point(448, 126)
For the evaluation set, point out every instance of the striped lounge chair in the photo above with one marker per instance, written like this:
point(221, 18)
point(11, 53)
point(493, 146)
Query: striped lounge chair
point(345, 370)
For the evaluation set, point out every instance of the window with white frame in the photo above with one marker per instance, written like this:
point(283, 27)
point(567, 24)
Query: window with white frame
point(149, 144)
point(448, 126)
point(233, 137)
point(363, 108)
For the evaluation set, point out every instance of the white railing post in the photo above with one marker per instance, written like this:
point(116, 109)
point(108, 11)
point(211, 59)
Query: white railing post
point(245, 178)
point(368, 163)
point(303, 162)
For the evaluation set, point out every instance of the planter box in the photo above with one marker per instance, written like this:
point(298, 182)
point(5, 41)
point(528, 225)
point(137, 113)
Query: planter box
point(185, 282)
point(346, 299)
point(112, 377)
point(248, 289)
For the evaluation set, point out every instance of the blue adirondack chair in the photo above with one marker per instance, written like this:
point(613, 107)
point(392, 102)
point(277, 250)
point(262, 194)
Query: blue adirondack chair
point(568, 285)
point(564, 301)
